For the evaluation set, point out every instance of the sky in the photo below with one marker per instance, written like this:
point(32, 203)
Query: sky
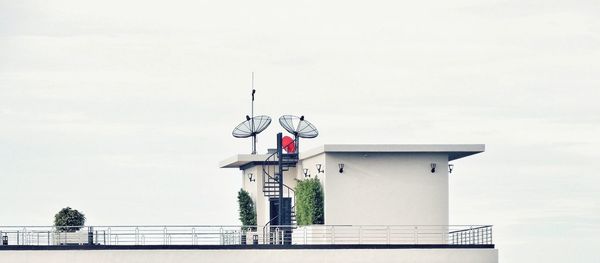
point(123, 109)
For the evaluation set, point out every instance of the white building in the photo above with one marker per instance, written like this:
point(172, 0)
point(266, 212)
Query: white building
point(379, 185)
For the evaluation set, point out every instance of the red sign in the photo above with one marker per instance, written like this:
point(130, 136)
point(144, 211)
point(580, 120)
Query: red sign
point(288, 144)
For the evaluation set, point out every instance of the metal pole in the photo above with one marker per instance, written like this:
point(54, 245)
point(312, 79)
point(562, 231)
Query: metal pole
point(252, 115)
point(280, 178)
point(297, 143)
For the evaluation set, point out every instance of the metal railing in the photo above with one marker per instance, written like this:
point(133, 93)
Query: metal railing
point(245, 235)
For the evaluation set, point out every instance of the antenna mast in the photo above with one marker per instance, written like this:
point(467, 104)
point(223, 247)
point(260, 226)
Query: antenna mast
point(252, 119)
point(252, 126)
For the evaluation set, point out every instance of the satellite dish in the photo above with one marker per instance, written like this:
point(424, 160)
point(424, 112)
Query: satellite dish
point(251, 127)
point(298, 126)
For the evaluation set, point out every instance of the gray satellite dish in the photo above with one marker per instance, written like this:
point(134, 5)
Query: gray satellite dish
point(251, 127)
point(299, 127)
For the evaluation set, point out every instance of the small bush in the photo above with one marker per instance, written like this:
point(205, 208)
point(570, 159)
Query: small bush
point(309, 202)
point(69, 217)
point(247, 209)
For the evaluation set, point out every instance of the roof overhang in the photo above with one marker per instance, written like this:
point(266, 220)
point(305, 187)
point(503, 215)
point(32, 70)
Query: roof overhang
point(454, 151)
point(242, 160)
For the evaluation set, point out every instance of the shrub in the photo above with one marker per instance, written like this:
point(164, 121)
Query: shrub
point(247, 209)
point(69, 220)
point(309, 202)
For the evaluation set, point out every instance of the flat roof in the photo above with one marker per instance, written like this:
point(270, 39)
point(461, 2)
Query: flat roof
point(454, 151)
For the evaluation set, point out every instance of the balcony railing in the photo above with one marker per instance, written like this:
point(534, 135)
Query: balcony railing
point(246, 235)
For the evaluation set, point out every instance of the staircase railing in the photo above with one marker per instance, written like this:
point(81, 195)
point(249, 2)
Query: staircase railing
point(270, 179)
point(267, 178)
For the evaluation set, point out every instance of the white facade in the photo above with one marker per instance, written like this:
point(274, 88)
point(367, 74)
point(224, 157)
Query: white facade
point(255, 255)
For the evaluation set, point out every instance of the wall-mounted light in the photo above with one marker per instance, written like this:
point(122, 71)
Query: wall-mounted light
point(433, 167)
point(341, 166)
point(319, 168)
point(306, 173)
point(251, 177)
point(450, 167)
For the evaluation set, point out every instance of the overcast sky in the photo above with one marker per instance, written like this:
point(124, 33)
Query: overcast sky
point(123, 109)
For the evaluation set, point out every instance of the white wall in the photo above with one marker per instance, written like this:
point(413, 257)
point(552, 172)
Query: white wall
point(375, 188)
point(254, 255)
point(386, 189)
point(310, 164)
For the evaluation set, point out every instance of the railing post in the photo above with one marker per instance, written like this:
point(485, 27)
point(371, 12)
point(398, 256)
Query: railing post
point(165, 235)
point(90, 235)
point(305, 237)
point(332, 234)
point(416, 235)
point(388, 235)
point(359, 235)
point(109, 236)
point(444, 232)
point(471, 236)
point(194, 236)
point(4, 238)
point(221, 238)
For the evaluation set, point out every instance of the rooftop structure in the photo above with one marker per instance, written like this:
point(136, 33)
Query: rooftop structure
point(364, 184)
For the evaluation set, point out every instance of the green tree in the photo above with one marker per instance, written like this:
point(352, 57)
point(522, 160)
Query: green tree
point(309, 202)
point(69, 220)
point(247, 209)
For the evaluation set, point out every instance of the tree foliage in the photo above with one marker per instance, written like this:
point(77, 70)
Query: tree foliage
point(69, 220)
point(247, 208)
point(309, 202)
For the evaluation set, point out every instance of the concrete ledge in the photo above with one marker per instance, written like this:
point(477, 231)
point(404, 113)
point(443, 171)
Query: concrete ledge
point(244, 247)
point(265, 255)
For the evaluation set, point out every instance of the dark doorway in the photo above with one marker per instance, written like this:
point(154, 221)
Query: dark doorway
point(279, 234)
point(287, 211)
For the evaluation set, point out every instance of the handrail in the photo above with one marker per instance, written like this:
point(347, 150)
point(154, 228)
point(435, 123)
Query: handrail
point(474, 228)
point(228, 235)
point(266, 172)
point(265, 228)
